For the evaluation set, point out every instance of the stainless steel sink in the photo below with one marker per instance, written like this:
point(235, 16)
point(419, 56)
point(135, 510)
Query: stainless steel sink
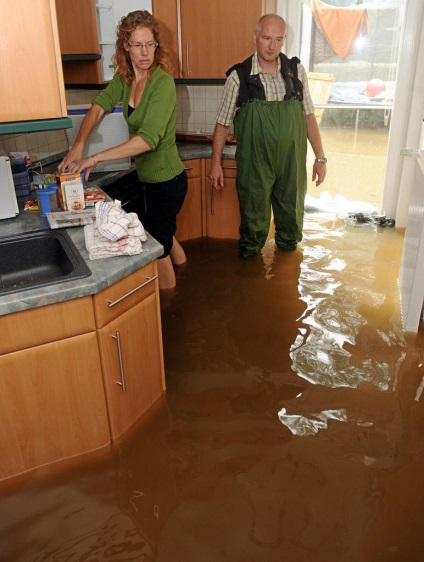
point(36, 259)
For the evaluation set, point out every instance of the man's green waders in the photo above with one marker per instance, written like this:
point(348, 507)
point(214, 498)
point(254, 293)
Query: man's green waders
point(271, 172)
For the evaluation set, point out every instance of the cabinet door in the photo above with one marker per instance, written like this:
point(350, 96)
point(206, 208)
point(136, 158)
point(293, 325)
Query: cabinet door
point(166, 12)
point(52, 404)
point(216, 35)
point(77, 23)
point(32, 85)
point(131, 354)
point(189, 219)
point(222, 207)
point(78, 34)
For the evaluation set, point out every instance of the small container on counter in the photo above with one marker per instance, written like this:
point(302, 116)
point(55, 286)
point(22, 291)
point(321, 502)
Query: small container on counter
point(47, 200)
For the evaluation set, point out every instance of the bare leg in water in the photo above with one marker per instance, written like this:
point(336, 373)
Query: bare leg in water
point(178, 256)
point(166, 271)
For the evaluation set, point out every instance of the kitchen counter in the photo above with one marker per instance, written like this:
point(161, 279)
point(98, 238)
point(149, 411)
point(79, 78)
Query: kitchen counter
point(105, 271)
point(189, 151)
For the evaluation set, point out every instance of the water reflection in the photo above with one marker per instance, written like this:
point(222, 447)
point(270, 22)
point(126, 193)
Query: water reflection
point(292, 428)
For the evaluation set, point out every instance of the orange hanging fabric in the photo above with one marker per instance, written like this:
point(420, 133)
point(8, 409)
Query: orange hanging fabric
point(340, 26)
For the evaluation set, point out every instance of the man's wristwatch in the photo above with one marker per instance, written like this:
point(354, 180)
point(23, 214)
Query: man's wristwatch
point(321, 160)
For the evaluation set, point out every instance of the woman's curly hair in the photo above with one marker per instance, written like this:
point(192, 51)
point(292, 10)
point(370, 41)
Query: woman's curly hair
point(121, 59)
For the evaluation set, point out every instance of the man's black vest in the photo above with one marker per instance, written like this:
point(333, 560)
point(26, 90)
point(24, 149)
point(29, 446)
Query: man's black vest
point(252, 88)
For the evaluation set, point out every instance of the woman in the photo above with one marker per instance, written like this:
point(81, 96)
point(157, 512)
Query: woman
point(147, 91)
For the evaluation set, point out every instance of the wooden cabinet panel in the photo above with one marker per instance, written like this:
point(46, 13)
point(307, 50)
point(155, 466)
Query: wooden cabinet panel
point(222, 207)
point(52, 403)
point(32, 87)
point(123, 295)
point(78, 35)
point(77, 23)
point(165, 11)
point(189, 219)
point(216, 35)
point(213, 35)
point(131, 352)
point(46, 324)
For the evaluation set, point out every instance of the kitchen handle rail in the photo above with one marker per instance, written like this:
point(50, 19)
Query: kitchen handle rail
point(121, 383)
point(187, 58)
point(149, 280)
point(212, 200)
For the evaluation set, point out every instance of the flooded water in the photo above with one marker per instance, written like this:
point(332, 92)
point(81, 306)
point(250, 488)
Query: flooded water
point(356, 163)
point(292, 428)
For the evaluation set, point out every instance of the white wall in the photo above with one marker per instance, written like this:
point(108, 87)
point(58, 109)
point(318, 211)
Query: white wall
point(123, 7)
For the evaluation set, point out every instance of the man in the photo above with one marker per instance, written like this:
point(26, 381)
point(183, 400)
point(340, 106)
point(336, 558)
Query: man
point(268, 97)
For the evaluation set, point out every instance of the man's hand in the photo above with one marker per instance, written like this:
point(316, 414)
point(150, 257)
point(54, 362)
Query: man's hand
point(216, 176)
point(319, 171)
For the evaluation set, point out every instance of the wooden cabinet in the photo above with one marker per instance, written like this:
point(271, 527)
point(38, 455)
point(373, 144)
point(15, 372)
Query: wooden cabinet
point(32, 84)
point(79, 41)
point(222, 207)
point(75, 374)
point(130, 341)
point(51, 394)
point(207, 212)
point(132, 364)
point(189, 219)
point(212, 36)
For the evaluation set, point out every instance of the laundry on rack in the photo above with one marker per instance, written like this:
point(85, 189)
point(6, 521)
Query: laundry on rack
point(341, 26)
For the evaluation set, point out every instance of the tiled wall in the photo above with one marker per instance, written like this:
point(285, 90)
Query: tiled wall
point(196, 111)
point(197, 107)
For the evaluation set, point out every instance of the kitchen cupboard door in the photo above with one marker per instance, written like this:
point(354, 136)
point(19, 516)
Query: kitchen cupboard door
point(32, 79)
point(215, 35)
point(77, 23)
point(131, 354)
point(189, 219)
point(166, 12)
point(222, 207)
point(52, 404)
point(79, 37)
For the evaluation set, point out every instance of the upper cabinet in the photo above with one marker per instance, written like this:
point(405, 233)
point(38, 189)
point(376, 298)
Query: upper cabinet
point(32, 84)
point(79, 41)
point(207, 38)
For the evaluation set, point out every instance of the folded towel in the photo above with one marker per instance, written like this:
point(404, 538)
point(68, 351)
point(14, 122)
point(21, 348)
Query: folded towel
point(114, 223)
point(100, 247)
point(116, 233)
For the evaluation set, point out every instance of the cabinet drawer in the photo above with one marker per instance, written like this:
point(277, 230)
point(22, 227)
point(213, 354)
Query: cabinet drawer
point(193, 168)
point(123, 295)
point(46, 324)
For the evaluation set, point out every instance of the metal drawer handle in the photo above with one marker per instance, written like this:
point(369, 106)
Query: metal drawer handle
point(229, 167)
point(212, 200)
point(149, 280)
point(121, 363)
point(189, 168)
point(187, 58)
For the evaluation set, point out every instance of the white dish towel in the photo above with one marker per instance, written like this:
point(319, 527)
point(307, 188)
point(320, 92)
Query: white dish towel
point(114, 233)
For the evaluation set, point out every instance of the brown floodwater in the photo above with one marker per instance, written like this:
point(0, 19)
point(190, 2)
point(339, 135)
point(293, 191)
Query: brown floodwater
point(292, 428)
